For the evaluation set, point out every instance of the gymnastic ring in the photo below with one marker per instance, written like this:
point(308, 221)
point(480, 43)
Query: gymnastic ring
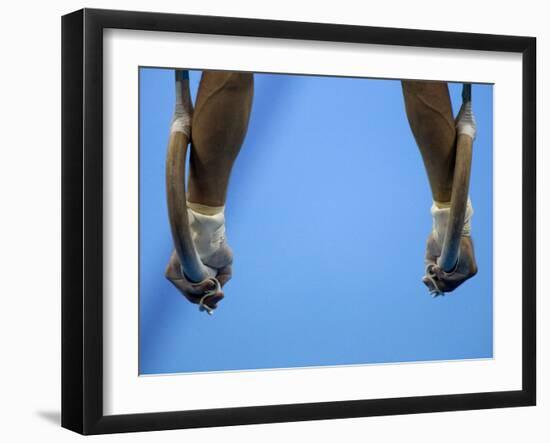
point(202, 305)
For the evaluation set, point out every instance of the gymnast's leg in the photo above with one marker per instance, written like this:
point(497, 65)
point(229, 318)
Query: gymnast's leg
point(218, 128)
point(219, 125)
point(429, 111)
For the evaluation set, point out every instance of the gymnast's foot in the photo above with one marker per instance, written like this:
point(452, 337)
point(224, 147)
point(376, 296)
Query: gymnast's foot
point(207, 224)
point(436, 279)
point(439, 281)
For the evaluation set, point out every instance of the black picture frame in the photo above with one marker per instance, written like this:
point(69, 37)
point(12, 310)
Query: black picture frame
point(82, 218)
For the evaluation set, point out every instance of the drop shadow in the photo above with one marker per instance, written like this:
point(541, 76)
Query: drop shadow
point(53, 417)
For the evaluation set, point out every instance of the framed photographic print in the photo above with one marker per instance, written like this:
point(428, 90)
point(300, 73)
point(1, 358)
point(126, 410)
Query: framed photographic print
point(269, 221)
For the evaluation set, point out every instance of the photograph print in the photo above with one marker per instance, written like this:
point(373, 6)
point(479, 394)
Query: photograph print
point(297, 221)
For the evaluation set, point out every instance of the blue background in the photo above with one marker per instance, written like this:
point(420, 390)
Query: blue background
point(328, 213)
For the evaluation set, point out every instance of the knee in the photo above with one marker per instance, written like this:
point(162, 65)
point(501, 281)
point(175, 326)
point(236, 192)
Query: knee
point(412, 87)
point(430, 91)
point(238, 81)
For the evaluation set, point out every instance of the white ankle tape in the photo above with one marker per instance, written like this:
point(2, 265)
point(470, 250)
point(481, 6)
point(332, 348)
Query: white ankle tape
point(205, 209)
point(441, 220)
point(208, 232)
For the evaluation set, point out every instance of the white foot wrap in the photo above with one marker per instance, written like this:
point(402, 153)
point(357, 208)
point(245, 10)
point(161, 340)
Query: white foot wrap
point(440, 215)
point(208, 232)
point(181, 121)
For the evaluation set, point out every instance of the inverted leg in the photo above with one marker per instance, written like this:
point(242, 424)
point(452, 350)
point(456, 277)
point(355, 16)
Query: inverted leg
point(429, 111)
point(219, 125)
point(216, 132)
point(428, 107)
